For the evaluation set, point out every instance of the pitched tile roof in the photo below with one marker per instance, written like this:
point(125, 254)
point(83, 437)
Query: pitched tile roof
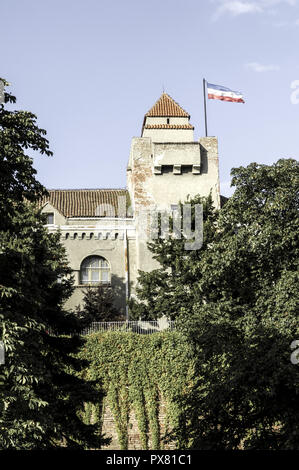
point(166, 106)
point(168, 126)
point(84, 202)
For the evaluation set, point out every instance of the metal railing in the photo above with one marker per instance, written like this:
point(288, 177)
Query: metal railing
point(141, 327)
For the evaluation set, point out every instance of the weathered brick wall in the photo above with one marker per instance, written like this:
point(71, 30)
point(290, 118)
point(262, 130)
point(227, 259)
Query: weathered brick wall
point(134, 441)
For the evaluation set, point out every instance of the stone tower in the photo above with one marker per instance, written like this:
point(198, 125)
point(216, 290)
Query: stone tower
point(166, 165)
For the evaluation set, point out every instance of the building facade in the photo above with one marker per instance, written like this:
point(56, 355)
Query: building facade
point(105, 231)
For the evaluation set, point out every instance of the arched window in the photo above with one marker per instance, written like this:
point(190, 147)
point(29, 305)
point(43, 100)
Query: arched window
point(94, 270)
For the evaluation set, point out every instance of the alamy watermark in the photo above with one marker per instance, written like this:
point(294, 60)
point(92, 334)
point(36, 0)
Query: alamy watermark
point(295, 353)
point(185, 221)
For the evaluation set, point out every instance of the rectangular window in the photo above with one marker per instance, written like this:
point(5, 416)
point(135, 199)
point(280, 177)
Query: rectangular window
point(50, 218)
point(186, 168)
point(167, 169)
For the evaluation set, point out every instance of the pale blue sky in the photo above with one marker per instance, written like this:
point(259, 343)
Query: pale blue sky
point(91, 69)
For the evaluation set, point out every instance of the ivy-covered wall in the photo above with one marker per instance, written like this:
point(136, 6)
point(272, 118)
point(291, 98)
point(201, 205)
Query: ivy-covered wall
point(143, 376)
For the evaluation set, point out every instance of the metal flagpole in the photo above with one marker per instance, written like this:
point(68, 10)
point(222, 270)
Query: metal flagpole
point(205, 105)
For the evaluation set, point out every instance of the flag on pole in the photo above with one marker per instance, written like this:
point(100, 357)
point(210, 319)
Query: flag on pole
point(217, 92)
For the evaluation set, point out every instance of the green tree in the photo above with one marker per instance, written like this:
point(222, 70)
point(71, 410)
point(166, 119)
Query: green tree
point(236, 300)
point(41, 393)
point(241, 330)
point(168, 291)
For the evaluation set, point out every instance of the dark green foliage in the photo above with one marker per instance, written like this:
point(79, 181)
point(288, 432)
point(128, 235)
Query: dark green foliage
point(242, 315)
point(98, 305)
point(41, 394)
point(169, 290)
point(248, 394)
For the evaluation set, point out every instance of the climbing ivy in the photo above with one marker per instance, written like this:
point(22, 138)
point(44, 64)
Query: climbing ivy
point(137, 373)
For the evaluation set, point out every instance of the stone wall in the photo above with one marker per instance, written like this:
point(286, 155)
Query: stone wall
point(134, 441)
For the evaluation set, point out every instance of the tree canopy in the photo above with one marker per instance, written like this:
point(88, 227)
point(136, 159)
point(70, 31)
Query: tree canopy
point(241, 314)
point(41, 394)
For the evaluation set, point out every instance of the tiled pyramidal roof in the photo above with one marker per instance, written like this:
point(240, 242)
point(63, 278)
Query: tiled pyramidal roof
point(166, 106)
point(86, 202)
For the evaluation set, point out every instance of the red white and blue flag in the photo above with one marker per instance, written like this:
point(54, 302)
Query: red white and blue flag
point(217, 92)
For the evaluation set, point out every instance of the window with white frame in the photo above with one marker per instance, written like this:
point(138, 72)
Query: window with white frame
point(94, 270)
